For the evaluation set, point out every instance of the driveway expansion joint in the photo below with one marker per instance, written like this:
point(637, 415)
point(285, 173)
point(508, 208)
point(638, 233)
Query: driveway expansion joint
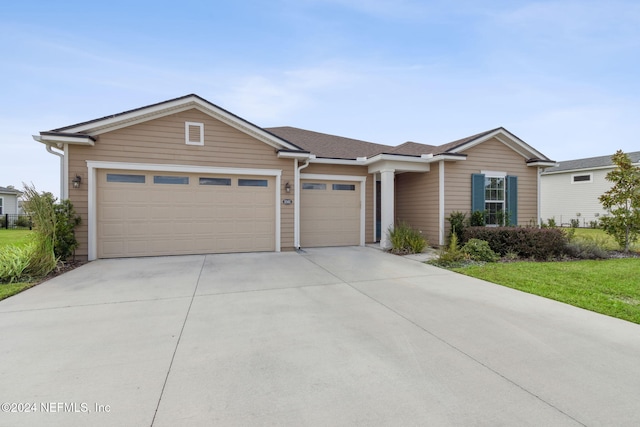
point(175, 350)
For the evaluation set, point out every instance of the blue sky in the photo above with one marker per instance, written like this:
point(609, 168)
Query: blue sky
point(562, 75)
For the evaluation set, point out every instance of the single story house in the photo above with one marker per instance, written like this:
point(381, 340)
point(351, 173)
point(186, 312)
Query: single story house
point(571, 189)
point(9, 201)
point(185, 176)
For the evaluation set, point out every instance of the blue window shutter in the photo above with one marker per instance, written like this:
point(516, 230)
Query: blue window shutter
point(512, 199)
point(477, 192)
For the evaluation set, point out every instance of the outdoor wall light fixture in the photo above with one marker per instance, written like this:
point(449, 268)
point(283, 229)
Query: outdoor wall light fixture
point(76, 181)
point(287, 187)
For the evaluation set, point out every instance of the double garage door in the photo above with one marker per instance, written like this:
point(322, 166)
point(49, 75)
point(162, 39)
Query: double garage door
point(160, 213)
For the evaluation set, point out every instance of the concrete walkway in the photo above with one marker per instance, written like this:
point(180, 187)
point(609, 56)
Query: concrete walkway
point(335, 336)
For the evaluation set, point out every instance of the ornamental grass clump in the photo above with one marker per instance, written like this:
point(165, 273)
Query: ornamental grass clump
point(406, 240)
point(40, 206)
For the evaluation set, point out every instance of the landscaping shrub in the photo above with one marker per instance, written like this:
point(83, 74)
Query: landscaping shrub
point(536, 243)
point(479, 250)
point(458, 221)
point(66, 222)
point(478, 219)
point(23, 221)
point(406, 240)
point(584, 249)
point(452, 256)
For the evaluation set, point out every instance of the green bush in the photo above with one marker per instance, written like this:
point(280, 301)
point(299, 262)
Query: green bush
point(406, 240)
point(478, 219)
point(458, 221)
point(451, 256)
point(66, 222)
point(479, 250)
point(23, 221)
point(536, 243)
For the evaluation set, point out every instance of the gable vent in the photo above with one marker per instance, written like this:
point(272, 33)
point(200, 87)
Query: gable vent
point(194, 133)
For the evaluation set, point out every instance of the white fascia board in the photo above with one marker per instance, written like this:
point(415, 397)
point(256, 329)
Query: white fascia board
point(293, 155)
point(164, 109)
point(59, 140)
point(322, 160)
point(542, 164)
point(446, 158)
point(584, 170)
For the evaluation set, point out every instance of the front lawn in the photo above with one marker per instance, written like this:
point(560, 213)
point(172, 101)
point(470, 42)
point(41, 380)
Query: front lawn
point(10, 289)
point(14, 237)
point(610, 287)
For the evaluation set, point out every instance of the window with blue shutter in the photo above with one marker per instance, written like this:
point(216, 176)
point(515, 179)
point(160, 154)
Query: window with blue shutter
point(477, 192)
point(497, 196)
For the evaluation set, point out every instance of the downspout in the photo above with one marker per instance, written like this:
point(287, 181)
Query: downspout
point(540, 170)
point(63, 195)
point(296, 206)
point(441, 202)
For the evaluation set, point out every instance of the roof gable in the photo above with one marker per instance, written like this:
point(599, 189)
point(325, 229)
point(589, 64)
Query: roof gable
point(105, 124)
point(502, 135)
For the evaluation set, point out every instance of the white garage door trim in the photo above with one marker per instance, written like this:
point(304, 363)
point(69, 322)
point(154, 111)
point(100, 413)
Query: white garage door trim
point(93, 167)
point(361, 179)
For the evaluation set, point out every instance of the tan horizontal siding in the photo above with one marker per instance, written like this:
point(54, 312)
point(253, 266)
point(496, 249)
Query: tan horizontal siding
point(162, 141)
point(495, 156)
point(417, 202)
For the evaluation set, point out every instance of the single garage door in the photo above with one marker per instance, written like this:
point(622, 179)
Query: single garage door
point(329, 213)
point(159, 213)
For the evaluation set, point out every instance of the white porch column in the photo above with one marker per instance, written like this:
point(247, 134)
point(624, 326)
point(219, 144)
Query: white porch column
point(386, 205)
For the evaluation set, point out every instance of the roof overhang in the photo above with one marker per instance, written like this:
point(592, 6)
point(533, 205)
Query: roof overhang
point(60, 138)
point(541, 163)
point(162, 109)
point(292, 154)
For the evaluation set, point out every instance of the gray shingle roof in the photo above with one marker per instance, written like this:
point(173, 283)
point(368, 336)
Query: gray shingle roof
point(329, 146)
point(6, 190)
point(338, 147)
point(590, 163)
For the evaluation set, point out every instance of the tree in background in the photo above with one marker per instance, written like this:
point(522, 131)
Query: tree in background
point(622, 201)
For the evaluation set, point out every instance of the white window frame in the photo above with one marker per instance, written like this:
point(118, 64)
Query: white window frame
point(186, 133)
point(503, 176)
point(1, 205)
point(573, 176)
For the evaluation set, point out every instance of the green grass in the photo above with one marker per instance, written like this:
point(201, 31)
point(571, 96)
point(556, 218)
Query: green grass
point(10, 289)
point(17, 238)
point(14, 237)
point(610, 287)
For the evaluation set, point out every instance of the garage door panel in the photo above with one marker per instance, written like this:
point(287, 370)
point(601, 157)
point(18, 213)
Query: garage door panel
point(141, 219)
point(329, 217)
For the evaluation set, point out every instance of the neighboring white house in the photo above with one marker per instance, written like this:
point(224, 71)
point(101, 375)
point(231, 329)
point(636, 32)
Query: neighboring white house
point(9, 200)
point(571, 189)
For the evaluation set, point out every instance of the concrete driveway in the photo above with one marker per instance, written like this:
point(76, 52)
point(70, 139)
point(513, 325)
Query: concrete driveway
point(336, 336)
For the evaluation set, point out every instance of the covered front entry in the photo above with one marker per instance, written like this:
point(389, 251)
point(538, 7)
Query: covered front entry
point(330, 213)
point(150, 213)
